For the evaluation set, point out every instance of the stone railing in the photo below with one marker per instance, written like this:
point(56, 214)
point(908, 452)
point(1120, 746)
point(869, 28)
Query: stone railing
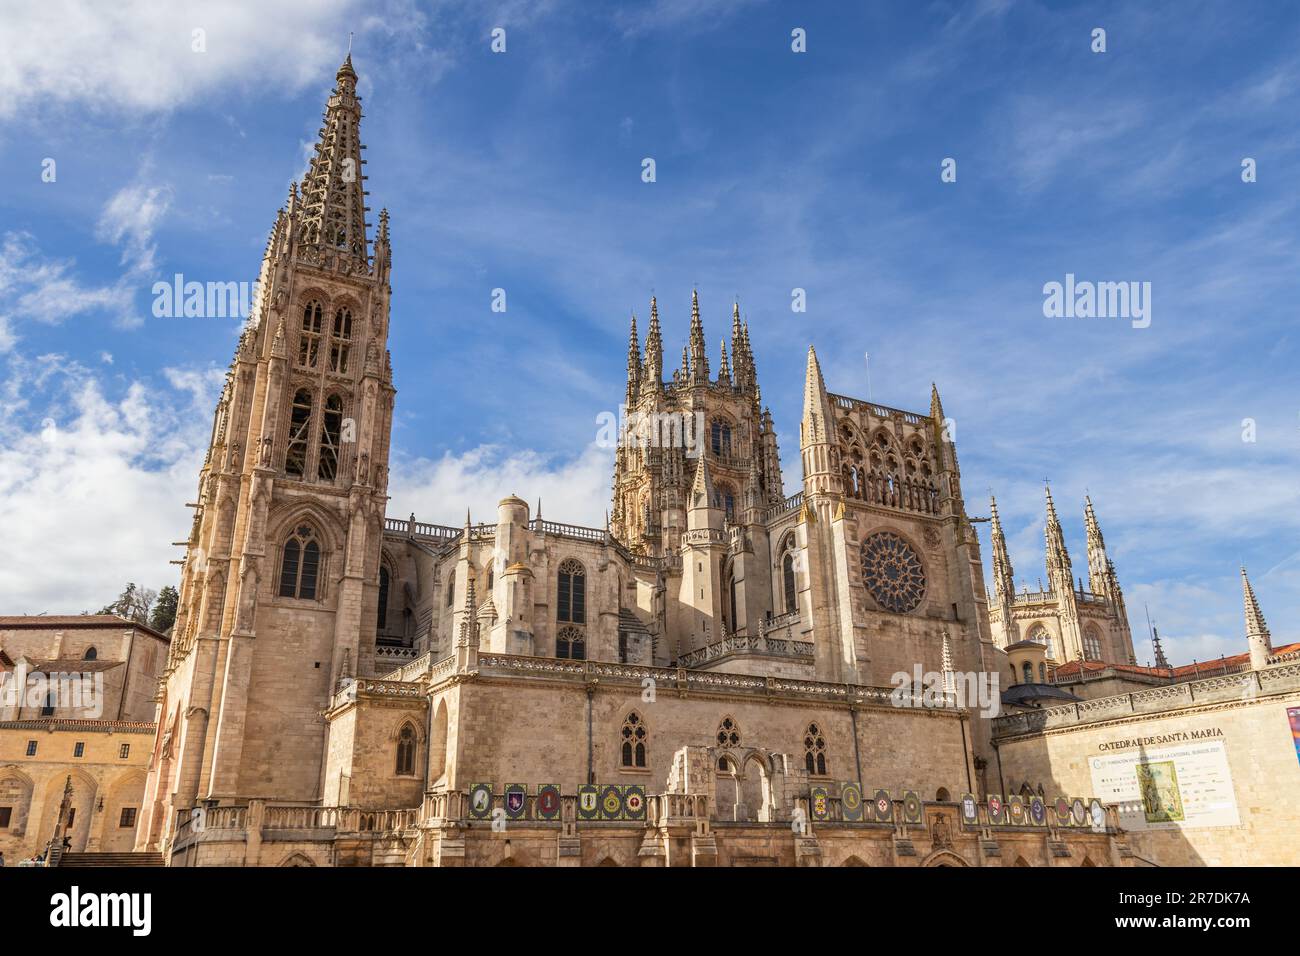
point(793, 503)
point(762, 645)
point(684, 680)
point(880, 411)
point(567, 530)
point(80, 725)
point(1244, 686)
point(391, 652)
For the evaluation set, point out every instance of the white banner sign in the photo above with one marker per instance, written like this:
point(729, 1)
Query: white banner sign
point(1169, 787)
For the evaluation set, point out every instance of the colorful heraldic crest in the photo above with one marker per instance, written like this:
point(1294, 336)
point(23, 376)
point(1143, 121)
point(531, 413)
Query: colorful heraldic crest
point(911, 807)
point(1078, 812)
point(1016, 808)
point(997, 809)
point(851, 802)
point(588, 801)
point(516, 795)
point(819, 802)
point(1037, 811)
point(480, 801)
point(634, 802)
point(1062, 807)
point(970, 809)
point(611, 803)
point(1097, 814)
point(548, 801)
point(884, 805)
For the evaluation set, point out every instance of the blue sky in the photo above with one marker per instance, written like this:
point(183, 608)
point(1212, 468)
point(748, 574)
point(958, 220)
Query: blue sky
point(775, 171)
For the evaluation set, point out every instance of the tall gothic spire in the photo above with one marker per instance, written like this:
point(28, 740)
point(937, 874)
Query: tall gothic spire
point(817, 414)
point(698, 350)
point(1058, 558)
point(1257, 635)
point(1004, 585)
point(653, 370)
point(333, 195)
point(724, 369)
point(633, 363)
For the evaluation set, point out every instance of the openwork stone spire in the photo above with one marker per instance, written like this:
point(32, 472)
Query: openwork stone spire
point(653, 371)
point(333, 197)
point(698, 350)
point(1004, 585)
point(1058, 558)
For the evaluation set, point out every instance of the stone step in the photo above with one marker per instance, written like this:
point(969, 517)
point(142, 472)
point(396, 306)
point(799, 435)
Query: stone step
point(111, 859)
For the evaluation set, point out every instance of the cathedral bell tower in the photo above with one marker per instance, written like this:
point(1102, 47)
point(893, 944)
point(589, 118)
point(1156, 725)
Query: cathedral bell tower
point(279, 586)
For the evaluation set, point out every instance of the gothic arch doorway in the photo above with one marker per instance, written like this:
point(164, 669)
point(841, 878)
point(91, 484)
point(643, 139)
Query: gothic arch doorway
point(944, 858)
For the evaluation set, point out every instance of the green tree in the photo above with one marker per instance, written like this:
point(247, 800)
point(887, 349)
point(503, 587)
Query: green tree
point(132, 604)
point(163, 615)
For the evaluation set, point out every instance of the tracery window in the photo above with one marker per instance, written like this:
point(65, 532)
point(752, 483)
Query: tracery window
point(1042, 636)
point(406, 751)
point(1092, 643)
point(892, 572)
point(728, 733)
point(330, 432)
point(1028, 672)
point(720, 437)
point(571, 644)
point(633, 737)
point(340, 340)
point(814, 745)
point(295, 460)
point(572, 603)
point(309, 340)
point(300, 565)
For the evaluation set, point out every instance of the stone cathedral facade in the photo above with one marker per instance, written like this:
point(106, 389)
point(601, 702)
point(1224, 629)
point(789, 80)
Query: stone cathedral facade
point(707, 678)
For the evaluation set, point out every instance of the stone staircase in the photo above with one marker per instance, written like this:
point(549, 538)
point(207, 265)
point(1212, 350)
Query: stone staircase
point(111, 859)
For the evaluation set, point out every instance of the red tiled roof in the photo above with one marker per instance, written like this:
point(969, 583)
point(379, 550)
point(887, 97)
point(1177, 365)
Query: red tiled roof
point(1076, 668)
point(46, 621)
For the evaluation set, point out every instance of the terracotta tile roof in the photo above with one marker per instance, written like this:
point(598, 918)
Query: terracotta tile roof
point(47, 621)
point(1076, 668)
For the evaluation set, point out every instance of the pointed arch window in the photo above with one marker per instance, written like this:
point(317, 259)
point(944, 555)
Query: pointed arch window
point(90, 655)
point(720, 437)
point(295, 460)
point(1092, 643)
point(406, 751)
point(451, 589)
point(814, 745)
point(633, 738)
point(572, 600)
point(300, 564)
point(330, 433)
point(309, 339)
point(788, 582)
point(383, 599)
point(340, 340)
point(1028, 672)
point(571, 644)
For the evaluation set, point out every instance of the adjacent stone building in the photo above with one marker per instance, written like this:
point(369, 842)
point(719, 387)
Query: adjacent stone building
point(77, 701)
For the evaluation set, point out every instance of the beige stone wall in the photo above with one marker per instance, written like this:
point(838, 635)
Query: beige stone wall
point(1262, 760)
point(32, 787)
point(534, 733)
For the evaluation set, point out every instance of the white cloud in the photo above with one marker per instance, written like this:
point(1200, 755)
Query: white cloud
point(92, 488)
point(129, 218)
point(438, 491)
point(137, 55)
